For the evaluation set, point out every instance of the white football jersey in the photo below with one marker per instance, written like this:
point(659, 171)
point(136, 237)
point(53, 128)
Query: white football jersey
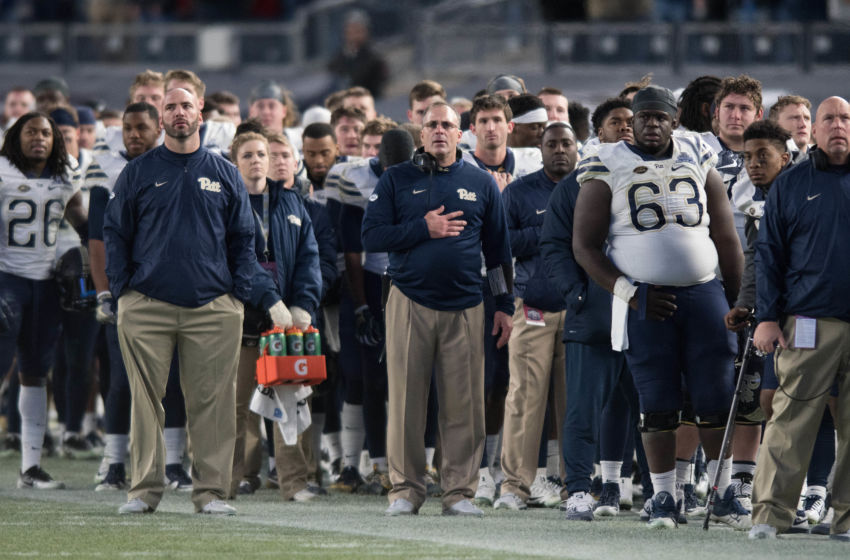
point(353, 183)
point(87, 172)
point(526, 161)
point(30, 213)
point(659, 223)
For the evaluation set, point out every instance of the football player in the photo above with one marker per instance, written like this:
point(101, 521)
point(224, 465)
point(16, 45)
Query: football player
point(662, 208)
point(37, 189)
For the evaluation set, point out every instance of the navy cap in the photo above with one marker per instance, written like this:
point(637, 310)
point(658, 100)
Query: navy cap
point(267, 89)
point(63, 117)
point(654, 98)
point(85, 115)
point(52, 83)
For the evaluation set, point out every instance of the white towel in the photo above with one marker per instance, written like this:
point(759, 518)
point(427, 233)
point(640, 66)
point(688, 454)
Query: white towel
point(287, 406)
point(619, 325)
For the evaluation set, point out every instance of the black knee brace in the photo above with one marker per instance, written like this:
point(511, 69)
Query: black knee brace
point(715, 421)
point(660, 421)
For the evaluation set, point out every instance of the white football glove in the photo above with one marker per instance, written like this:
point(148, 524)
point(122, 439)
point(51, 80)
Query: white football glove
point(281, 317)
point(103, 312)
point(300, 318)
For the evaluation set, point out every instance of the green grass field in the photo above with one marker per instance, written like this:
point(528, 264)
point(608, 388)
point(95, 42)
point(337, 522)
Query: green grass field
point(80, 523)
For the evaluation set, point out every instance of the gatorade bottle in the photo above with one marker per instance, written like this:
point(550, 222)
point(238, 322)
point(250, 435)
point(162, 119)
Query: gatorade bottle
point(277, 343)
point(294, 342)
point(264, 341)
point(312, 342)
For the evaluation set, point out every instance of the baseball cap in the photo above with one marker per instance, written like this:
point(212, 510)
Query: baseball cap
point(267, 89)
point(85, 115)
point(654, 98)
point(52, 83)
point(63, 117)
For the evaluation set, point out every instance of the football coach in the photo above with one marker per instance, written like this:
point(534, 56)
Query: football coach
point(435, 215)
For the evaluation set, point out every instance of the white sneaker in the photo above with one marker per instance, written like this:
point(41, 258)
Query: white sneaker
point(815, 508)
point(579, 507)
point(543, 494)
point(486, 493)
point(218, 507)
point(134, 506)
point(510, 501)
point(303, 495)
point(762, 531)
point(743, 485)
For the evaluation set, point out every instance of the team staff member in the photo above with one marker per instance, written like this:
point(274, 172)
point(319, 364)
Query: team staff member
point(179, 238)
point(802, 282)
point(536, 352)
point(434, 216)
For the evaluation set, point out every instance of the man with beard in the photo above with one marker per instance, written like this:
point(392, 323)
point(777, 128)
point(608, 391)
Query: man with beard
point(179, 237)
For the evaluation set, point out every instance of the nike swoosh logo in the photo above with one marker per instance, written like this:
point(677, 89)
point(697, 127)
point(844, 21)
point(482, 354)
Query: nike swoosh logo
point(417, 192)
point(541, 211)
point(813, 196)
point(675, 167)
point(157, 184)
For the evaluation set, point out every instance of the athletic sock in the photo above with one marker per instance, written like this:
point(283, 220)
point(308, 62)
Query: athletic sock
point(353, 434)
point(89, 422)
point(334, 445)
point(429, 456)
point(115, 449)
point(490, 445)
point(553, 458)
point(32, 405)
point(725, 475)
point(664, 482)
point(611, 471)
point(746, 467)
point(175, 445)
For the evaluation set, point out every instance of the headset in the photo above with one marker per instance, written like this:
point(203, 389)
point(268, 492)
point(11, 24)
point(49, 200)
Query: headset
point(425, 161)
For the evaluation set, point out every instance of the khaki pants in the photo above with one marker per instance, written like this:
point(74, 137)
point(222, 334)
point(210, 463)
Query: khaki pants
point(292, 461)
point(451, 345)
point(247, 451)
point(207, 340)
point(790, 434)
point(536, 362)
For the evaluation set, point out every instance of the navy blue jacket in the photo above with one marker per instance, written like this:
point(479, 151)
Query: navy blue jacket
point(802, 256)
point(293, 249)
point(588, 318)
point(442, 274)
point(179, 228)
point(327, 239)
point(525, 203)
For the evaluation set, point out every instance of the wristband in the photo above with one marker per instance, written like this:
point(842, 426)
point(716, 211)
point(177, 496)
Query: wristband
point(104, 294)
point(624, 289)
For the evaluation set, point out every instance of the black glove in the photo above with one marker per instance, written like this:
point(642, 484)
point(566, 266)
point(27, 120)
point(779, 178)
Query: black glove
point(369, 330)
point(6, 315)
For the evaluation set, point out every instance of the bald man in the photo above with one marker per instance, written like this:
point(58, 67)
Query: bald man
point(179, 236)
point(803, 312)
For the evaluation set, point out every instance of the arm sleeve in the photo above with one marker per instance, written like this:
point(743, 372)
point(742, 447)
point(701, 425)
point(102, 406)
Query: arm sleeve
point(524, 240)
point(307, 281)
point(351, 225)
point(381, 232)
point(747, 294)
point(770, 257)
point(326, 240)
point(119, 225)
point(556, 245)
point(98, 197)
point(240, 240)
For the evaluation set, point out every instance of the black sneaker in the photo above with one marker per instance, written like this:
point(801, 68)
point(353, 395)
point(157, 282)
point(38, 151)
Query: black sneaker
point(11, 445)
point(176, 478)
point(349, 480)
point(665, 511)
point(245, 488)
point(76, 446)
point(35, 478)
point(609, 500)
point(116, 479)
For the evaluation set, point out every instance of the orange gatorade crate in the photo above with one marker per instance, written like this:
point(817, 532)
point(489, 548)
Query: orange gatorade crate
point(291, 370)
